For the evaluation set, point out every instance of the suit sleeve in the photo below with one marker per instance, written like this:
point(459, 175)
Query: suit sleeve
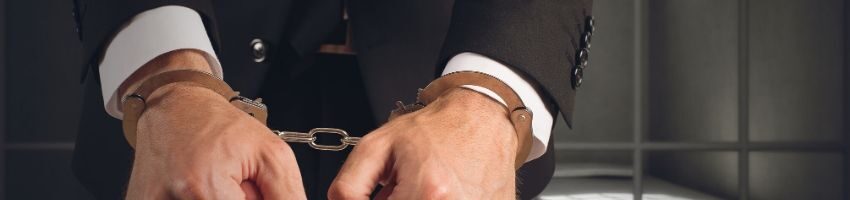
point(537, 38)
point(99, 20)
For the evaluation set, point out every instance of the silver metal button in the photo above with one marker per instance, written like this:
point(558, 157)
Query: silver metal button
point(582, 58)
point(258, 49)
point(578, 72)
point(585, 39)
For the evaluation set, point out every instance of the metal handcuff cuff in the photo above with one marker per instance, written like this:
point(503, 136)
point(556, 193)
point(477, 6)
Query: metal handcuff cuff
point(133, 105)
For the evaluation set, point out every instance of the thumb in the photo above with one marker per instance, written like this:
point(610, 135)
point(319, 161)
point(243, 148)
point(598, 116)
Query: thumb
point(251, 191)
point(362, 171)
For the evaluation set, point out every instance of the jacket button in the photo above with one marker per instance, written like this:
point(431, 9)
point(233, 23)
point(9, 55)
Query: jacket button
point(582, 58)
point(259, 49)
point(578, 72)
point(585, 39)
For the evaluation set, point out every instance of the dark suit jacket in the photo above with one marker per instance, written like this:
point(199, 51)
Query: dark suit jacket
point(401, 45)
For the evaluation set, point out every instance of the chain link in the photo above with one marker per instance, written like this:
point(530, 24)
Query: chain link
point(311, 139)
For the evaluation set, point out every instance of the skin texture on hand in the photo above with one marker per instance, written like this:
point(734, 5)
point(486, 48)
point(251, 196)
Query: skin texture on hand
point(193, 144)
point(461, 146)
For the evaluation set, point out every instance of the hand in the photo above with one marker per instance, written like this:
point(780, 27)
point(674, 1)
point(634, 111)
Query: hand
point(461, 146)
point(192, 144)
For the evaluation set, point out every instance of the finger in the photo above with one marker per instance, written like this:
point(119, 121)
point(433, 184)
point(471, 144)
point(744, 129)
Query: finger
point(278, 176)
point(251, 190)
point(362, 171)
point(385, 192)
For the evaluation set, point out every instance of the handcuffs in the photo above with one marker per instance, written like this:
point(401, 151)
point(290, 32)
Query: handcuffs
point(133, 105)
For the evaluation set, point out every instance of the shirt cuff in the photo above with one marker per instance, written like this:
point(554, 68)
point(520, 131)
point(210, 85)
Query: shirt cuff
point(146, 36)
point(541, 123)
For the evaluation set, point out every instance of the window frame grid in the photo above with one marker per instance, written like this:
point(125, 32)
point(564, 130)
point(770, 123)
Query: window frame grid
point(743, 147)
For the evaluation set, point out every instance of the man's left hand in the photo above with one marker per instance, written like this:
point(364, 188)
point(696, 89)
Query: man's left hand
point(461, 146)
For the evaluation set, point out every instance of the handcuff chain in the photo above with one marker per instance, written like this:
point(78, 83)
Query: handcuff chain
point(311, 139)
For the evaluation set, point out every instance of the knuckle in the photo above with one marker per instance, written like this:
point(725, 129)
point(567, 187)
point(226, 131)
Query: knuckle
point(282, 150)
point(274, 145)
point(379, 137)
point(435, 190)
point(338, 191)
point(422, 119)
point(434, 187)
point(367, 139)
point(279, 145)
point(187, 187)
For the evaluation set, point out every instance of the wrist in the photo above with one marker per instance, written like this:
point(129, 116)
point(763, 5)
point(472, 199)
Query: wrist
point(472, 102)
point(182, 59)
point(172, 111)
point(180, 96)
point(201, 91)
point(472, 107)
point(478, 110)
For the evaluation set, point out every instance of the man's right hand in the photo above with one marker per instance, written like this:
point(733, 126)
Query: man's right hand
point(192, 143)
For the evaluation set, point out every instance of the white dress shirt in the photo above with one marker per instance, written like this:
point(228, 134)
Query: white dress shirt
point(168, 28)
point(148, 35)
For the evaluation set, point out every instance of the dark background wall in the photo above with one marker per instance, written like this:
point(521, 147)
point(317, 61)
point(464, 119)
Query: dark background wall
point(2, 98)
point(42, 99)
point(696, 71)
